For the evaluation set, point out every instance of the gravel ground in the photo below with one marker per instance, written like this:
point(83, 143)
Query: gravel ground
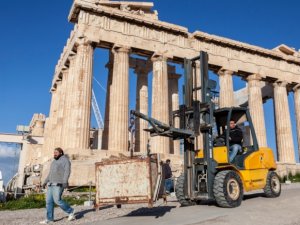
point(83, 214)
point(88, 215)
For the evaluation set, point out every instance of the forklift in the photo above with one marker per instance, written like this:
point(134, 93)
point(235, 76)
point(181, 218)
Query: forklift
point(208, 173)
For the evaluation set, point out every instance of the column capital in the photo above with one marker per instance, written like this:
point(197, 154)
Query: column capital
point(158, 57)
point(55, 86)
point(120, 48)
point(65, 70)
point(197, 64)
point(296, 88)
point(71, 58)
point(64, 73)
point(280, 83)
point(254, 77)
point(58, 83)
point(223, 71)
point(83, 41)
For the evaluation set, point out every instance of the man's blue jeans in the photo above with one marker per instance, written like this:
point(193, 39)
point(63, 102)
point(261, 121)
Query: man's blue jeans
point(233, 150)
point(169, 185)
point(54, 194)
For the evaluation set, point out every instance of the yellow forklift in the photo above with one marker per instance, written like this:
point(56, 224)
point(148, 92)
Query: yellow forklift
point(208, 173)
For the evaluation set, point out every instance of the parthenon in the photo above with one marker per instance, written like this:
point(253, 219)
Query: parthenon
point(131, 29)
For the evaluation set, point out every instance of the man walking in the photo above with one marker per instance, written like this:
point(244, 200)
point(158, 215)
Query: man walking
point(168, 176)
point(56, 182)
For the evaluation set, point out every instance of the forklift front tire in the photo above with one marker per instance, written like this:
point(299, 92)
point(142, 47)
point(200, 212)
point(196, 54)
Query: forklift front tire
point(179, 191)
point(228, 189)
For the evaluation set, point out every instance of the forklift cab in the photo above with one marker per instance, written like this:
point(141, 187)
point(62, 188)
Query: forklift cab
point(243, 120)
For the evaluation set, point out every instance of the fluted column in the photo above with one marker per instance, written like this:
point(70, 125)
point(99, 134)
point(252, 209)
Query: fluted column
point(197, 97)
point(141, 136)
point(54, 119)
point(49, 132)
point(118, 112)
point(70, 87)
point(109, 66)
point(226, 88)
point(173, 106)
point(256, 108)
point(297, 112)
point(285, 145)
point(60, 114)
point(160, 106)
point(80, 115)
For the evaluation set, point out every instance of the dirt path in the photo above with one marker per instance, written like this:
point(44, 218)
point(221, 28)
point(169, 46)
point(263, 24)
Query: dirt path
point(255, 209)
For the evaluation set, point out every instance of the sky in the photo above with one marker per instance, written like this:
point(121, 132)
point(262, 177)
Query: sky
point(33, 34)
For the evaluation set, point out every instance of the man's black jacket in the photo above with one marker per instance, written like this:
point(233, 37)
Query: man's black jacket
point(235, 136)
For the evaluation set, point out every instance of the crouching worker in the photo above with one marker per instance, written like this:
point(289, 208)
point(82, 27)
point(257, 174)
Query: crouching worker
point(56, 182)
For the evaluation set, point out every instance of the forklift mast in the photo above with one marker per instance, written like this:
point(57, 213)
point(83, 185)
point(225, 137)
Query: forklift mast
point(198, 173)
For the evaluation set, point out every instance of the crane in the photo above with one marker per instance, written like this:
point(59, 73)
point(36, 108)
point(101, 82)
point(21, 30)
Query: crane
point(96, 111)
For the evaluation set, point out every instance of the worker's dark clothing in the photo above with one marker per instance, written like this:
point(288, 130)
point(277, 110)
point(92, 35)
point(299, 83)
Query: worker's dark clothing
point(169, 185)
point(235, 136)
point(235, 141)
point(167, 171)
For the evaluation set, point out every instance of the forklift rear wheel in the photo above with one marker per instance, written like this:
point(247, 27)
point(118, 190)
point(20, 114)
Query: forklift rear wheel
point(179, 191)
point(273, 187)
point(228, 189)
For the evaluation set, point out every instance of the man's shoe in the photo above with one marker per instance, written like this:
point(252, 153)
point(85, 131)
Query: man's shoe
point(72, 216)
point(46, 222)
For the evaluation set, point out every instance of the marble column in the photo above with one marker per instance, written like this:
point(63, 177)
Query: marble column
point(197, 97)
point(109, 66)
point(160, 105)
point(173, 106)
point(296, 90)
point(80, 116)
point(118, 111)
point(226, 98)
point(54, 120)
point(49, 128)
point(67, 122)
point(60, 114)
point(285, 145)
point(256, 108)
point(141, 136)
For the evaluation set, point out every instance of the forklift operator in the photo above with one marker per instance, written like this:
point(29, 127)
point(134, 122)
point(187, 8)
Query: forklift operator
point(235, 140)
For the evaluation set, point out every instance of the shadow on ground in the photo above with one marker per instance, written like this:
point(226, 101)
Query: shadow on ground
point(156, 212)
point(256, 195)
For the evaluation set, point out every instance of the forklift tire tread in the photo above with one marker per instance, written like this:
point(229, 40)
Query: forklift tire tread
point(273, 186)
point(179, 190)
point(228, 189)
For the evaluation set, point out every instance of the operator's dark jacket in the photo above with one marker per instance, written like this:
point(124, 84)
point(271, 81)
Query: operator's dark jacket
point(236, 136)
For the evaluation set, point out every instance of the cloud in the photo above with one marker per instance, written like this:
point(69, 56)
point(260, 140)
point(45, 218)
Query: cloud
point(8, 151)
point(9, 160)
